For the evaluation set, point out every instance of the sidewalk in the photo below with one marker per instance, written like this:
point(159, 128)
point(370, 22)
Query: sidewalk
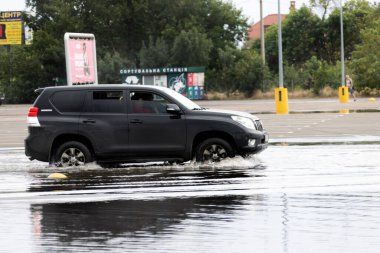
point(309, 105)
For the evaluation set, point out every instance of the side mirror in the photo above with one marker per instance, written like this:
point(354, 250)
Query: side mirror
point(173, 109)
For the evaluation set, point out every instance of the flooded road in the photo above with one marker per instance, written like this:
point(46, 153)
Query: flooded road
point(287, 199)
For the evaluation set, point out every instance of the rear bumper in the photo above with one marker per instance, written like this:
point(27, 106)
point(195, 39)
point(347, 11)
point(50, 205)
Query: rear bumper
point(36, 150)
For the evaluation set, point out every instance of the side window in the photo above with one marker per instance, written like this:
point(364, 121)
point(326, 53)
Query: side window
point(147, 102)
point(68, 101)
point(108, 101)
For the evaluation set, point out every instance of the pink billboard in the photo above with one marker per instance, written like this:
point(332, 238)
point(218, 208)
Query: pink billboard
point(80, 59)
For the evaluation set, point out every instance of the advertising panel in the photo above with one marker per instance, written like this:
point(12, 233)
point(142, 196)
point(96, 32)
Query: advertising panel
point(80, 59)
point(11, 28)
point(178, 83)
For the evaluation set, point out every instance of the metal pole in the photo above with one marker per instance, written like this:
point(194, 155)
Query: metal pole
point(342, 43)
point(262, 33)
point(9, 66)
point(280, 68)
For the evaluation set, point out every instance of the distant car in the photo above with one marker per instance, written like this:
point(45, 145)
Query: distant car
point(2, 98)
point(74, 125)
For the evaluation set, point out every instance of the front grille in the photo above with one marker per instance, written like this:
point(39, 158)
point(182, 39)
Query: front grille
point(258, 124)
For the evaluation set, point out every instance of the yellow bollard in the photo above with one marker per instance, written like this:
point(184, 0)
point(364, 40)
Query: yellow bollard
point(343, 94)
point(281, 97)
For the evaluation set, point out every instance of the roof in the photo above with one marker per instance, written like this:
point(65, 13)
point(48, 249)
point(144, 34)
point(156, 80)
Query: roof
point(102, 86)
point(272, 19)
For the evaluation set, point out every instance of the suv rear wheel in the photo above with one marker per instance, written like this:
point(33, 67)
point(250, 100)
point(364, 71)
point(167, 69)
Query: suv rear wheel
point(213, 150)
point(72, 153)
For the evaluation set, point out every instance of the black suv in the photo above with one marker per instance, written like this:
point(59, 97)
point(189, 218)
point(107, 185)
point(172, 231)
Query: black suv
point(74, 125)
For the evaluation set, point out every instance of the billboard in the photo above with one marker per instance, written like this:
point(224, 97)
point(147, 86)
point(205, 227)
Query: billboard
point(11, 28)
point(80, 52)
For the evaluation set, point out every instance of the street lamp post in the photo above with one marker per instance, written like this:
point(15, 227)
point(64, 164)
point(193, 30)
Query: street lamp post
point(281, 93)
point(262, 33)
point(343, 90)
point(342, 42)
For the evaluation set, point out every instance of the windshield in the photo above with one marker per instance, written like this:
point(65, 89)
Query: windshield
point(183, 100)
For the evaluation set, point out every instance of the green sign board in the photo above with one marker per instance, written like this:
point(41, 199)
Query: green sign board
point(188, 81)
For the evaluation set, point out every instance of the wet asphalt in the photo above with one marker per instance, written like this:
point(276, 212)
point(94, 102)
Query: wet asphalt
point(290, 198)
point(315, 189)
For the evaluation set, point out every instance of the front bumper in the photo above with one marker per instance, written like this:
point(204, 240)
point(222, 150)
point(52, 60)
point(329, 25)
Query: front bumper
point(261, 143)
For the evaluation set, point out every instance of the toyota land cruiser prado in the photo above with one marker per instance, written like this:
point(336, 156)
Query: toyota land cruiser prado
point(74, 125)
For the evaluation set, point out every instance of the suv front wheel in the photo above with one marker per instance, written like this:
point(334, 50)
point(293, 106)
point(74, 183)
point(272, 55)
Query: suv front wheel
point(213, 150)
point(72, 153)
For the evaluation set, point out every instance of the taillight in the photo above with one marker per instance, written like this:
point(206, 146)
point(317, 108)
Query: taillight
point(32, 117)
point(33, 111)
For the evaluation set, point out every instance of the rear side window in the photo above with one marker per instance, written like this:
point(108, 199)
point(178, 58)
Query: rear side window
point(108, 101)
point(68, 101)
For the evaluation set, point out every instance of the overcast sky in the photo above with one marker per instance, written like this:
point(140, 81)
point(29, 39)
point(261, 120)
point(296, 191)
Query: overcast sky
point(12, 5)
point(251, 8)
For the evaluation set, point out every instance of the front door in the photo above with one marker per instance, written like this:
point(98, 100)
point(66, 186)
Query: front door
point(153, 132)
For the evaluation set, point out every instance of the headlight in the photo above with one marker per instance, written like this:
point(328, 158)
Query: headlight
point(247, 122)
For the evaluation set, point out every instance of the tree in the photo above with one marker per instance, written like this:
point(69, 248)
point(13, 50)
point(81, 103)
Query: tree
point(157, 54)
point(301, 36)
point(249, 72)
point(191, 48)
point(366, 58)
point(355, 18)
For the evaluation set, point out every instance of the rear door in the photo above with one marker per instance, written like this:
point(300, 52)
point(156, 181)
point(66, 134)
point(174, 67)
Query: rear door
point(152, 131)
point(105, 121)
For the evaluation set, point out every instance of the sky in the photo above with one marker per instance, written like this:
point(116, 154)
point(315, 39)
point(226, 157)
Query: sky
point(12, 5)
point(251, 8)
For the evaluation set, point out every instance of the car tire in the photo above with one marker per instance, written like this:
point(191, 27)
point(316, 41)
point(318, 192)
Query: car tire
point(72, 153)
point(213, 150)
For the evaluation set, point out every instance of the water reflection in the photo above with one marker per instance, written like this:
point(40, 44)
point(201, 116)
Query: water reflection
point(97, 222)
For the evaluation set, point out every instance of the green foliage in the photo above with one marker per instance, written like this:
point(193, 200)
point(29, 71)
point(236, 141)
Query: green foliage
point(129, 33)
point(191, 48)
point(300, 44)
point(366, 58)
point(110, 64)
point(355, 18)
point(239, 70)
point(160, 33)
point(26, 74)
point(157, 54)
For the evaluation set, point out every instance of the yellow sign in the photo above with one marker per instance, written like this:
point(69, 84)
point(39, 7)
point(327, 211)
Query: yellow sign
point(10, 15)
point(11, 28)
point(10, 33)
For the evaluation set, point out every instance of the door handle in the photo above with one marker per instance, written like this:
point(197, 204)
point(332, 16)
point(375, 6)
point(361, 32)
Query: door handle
point(136, 121)
point(89, 121)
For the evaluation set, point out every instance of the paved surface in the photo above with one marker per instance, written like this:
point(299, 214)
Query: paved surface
point(315, 119)
point(295, 105)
